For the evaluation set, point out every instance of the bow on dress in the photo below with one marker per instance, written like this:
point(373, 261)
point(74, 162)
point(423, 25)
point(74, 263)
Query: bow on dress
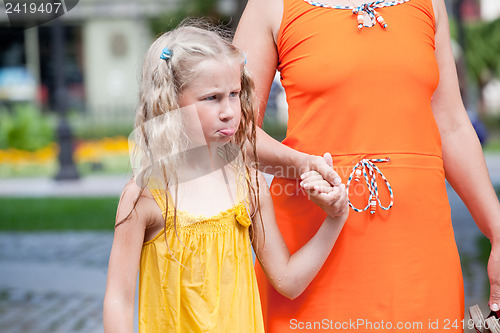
point(369, 9)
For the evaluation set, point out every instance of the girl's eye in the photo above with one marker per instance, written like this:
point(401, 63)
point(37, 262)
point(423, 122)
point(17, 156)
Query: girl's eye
point(210, 98)
point(234, 94)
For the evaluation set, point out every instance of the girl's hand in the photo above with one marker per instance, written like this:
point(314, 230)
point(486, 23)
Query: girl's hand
point(332, 199)
point(314, 183)
point(494, 276)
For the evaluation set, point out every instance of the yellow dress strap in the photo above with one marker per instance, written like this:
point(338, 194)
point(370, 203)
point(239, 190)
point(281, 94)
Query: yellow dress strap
point(160, 196)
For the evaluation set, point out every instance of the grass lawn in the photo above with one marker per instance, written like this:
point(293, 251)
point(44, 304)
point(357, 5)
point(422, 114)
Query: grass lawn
point(57, 214)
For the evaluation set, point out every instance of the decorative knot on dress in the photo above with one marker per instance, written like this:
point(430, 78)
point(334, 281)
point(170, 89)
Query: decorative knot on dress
point(366, 8)
point(369, 9)
point(242, 215)
point(369, 170)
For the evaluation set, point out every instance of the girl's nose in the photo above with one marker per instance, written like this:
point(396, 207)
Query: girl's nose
point(227, 112)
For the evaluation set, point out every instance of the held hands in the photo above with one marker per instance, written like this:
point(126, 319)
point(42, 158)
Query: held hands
point(323, 165)
point(331, 198)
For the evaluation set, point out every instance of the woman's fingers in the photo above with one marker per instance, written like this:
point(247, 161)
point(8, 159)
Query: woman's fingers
point(494, 277)
point(319, 164)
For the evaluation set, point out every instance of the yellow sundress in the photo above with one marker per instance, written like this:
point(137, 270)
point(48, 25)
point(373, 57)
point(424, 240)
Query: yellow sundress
point(204, 280)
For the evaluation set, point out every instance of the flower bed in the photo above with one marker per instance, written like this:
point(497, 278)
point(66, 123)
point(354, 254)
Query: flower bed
point(108, 155)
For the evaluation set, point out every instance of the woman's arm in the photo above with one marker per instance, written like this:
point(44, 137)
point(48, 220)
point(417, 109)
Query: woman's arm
point(256, 36)
point(124, 259)
point(291, 274)
point(462, 154)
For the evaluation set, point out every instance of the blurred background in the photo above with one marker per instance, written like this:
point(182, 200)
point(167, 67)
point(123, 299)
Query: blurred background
point(68, 92)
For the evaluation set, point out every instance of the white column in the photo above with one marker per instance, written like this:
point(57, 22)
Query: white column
point(32, 51)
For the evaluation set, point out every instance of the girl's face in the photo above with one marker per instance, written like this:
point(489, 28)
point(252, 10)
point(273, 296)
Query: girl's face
point(215, 92)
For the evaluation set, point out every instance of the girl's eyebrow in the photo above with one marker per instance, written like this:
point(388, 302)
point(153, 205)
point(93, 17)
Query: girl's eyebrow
point(208, 93)
point(216, 91)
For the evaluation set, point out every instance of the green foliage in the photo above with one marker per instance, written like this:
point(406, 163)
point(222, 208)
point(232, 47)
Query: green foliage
point(274, 128)
point(188, 8)
point(482, 50)
point(453, 28)
point(484, 248)
point(90, 129)
point(5, 126)
point(25, 128)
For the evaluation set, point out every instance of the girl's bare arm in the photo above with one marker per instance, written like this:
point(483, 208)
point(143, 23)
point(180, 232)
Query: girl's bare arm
point(291, 274)
point(125, 257)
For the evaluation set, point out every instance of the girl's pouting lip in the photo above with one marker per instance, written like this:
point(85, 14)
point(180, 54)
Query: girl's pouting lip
point(227, 131)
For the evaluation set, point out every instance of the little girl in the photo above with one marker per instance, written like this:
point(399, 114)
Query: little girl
point(186, 219)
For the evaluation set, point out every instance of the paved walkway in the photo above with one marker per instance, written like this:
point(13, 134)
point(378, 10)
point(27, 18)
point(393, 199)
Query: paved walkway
point(55, 282)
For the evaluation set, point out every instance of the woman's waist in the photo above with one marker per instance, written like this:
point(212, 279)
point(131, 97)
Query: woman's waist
point(346, 165)
point(352, 165)
point(389, 159)
point(378, 179)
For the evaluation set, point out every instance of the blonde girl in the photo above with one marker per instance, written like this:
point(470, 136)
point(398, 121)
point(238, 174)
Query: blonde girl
point(187, 220)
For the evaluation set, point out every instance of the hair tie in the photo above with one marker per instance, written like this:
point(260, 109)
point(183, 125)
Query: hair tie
point(166, 53)
point(245, 56)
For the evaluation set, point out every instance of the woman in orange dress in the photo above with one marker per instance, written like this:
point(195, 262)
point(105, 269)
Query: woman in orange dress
point(374, 85)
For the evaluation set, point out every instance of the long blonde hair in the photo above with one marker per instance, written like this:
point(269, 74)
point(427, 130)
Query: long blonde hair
point(162, 83)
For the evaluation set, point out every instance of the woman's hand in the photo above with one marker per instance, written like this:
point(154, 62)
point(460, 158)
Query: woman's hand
point(331, 198)
point(494, 276)
point(324, 166)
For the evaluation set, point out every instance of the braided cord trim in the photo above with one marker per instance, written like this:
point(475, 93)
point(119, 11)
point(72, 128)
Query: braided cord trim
point(367, 8)
point(369, 170)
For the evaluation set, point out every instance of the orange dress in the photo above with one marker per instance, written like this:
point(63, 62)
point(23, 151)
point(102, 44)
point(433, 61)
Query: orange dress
point(365, 94)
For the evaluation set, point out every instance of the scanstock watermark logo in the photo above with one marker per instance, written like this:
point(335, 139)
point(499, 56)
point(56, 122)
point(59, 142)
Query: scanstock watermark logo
point(28, 14)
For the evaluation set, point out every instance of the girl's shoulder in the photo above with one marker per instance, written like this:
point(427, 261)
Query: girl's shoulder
point(132, 191)
point(137, 203)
